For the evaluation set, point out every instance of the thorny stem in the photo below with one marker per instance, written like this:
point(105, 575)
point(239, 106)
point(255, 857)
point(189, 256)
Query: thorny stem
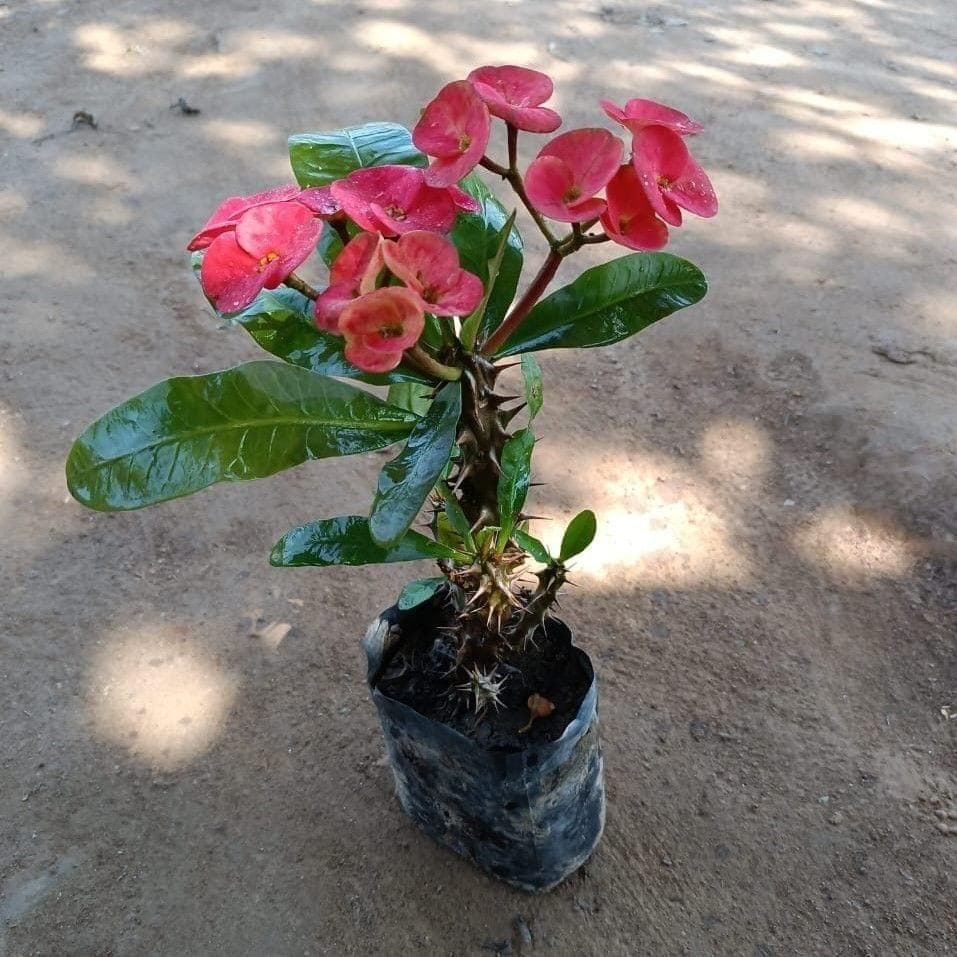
point(432, 366)
point(300, 285)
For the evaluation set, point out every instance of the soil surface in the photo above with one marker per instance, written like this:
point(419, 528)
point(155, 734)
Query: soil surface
point(421, 672)
point(190, 763)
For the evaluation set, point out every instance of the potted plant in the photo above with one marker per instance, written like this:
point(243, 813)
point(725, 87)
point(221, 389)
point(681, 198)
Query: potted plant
point(488, 708)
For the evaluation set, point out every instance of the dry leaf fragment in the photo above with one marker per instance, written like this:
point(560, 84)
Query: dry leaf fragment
point(539, 707)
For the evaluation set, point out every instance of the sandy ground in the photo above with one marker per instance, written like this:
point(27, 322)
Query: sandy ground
point(772, 599)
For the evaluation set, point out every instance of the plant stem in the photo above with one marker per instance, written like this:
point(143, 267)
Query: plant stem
point(512, 148)
point(432, 366)
point(300, 285)
point(515, 181)
point(522, 308)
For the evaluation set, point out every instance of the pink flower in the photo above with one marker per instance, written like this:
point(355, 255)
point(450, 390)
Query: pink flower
point(429, 265)
point(395, 199)
point(639, 114)
point(267, 243)
point(570, 169)
point(380, 326)
point(454, 128)
point(353, 273)
point(515, 94)
point(630, 219)
point(228, 212)
point(320, 200)
point(670, 177)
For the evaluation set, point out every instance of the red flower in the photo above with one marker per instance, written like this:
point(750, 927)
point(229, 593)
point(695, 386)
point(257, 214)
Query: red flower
point(429, 265)
point(380, 326)
point(353, 273)
point(639, 114)
point(228, 212)
point(454, 128)
point(395, 199)
point(267, 243)
point(321, 201)
point(563, 179)
point(670, 177)
point(630, 219)
point(515, 94)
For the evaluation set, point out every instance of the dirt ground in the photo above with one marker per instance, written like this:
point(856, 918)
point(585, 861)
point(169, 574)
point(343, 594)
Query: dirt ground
point(189, 762)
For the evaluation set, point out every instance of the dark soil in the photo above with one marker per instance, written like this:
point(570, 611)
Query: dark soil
point(421, 673)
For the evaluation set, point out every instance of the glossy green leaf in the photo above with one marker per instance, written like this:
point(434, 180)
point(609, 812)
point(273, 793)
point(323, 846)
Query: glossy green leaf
point(413, 396)
point(532, 545)
point(346, 541)
point(534, 388)
point(406, 480)
point(455, 517)
point(280, 321)
point(329, 245)
point(245, 423)
point(513, 482)
point(474, 322)
point(419, 591)
point(477, 237)
point(319, 159)
point(608, 303)
point(579, 535)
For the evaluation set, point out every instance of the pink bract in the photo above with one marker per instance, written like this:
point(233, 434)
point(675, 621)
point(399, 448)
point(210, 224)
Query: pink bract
point(380, 326)
point(320, 200)
point(570, 169)
point(353, 273)
point(515, 94)
point(670, 177)
point(454, 128)
point(394, 199)
point(429, 265)
point(229, 210)
point(630, 219)
point(639, 114)
point(266, 245)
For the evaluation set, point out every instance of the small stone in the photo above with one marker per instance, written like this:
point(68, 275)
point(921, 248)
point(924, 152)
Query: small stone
point(524, 931)
point(836, 818)
point(698, 729)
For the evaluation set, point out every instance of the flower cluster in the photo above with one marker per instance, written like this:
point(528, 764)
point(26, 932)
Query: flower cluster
point(397, 266)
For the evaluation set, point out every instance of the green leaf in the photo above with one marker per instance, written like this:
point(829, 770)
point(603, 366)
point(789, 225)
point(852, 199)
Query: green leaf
point(513, 482)
point(329, 245)
point(532, 545)
point(319, 159)
point(346, 541)
point(578, 536)
point(413, 396)
point(279, 322)
point(245, 423)
point(609, 303)
point(477, 238)
point(457, 519)
point(534, 388)
point(419, 591)
point(473, 322)
point(405, 481)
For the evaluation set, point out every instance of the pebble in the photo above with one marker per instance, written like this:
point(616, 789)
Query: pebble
point(524, 931)
point(836, 818)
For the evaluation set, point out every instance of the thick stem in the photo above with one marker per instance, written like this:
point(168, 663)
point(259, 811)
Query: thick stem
point(522, 308)
point(300, 285)
point(432, 366)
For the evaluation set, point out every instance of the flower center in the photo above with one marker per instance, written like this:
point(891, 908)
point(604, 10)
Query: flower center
point(572, 193)
point(396, 212)
point(390, 331)
point(266, 260)
point(664, 182)
point(465, 141)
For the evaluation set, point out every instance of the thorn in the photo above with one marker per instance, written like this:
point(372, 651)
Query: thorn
point(534, 518)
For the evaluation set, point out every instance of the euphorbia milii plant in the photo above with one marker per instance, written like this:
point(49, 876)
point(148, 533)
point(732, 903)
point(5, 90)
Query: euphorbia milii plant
point(391, 262)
